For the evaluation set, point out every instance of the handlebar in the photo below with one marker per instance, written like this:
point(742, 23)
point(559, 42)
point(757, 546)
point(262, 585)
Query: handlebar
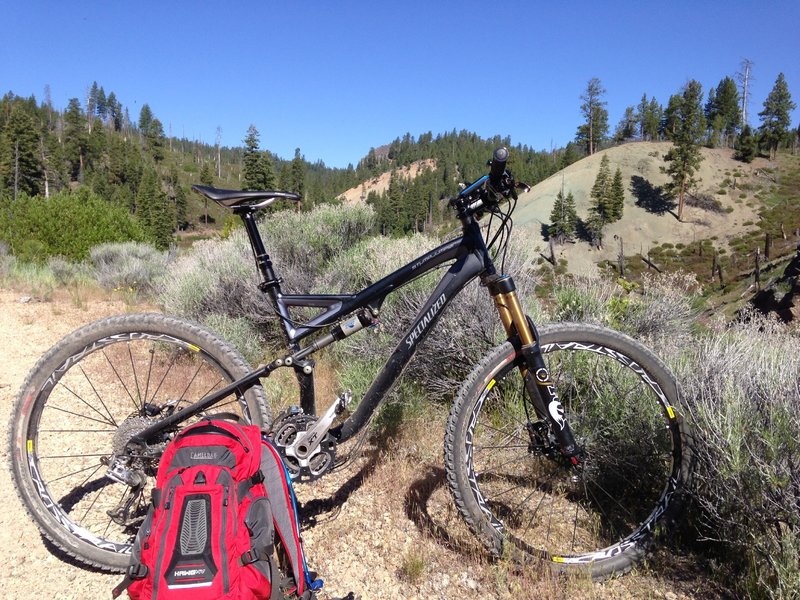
point(489, 189)
point(498, 162)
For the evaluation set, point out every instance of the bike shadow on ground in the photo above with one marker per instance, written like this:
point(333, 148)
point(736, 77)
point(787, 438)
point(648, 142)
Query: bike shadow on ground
point(311, 511)
point(417, 506)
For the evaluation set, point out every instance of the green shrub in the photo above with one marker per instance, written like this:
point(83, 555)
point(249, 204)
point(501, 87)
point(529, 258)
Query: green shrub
point(130, 266)
point(740, 387)
point(240, 333)
point(7, 261)
point(215, 277)
point(66, 224)
point(219, 276)
point(68, 273)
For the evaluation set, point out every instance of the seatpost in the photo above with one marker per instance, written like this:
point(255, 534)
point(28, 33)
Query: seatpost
point(270, 282)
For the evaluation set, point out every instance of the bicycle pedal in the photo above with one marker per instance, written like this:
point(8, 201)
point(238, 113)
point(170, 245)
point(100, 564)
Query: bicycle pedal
point(345, 399)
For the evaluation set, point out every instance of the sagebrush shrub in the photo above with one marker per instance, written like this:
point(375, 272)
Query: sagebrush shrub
point(220, 277)
point(239, 332)
point(128, 265)
point(741, 388)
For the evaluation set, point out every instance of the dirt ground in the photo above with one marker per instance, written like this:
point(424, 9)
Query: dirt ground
point(384, 528)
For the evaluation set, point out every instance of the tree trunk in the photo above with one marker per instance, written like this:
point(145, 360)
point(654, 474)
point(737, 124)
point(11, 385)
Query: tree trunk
point(16, 169)
point(44, 168)
point(758, 269)
point(681, 197)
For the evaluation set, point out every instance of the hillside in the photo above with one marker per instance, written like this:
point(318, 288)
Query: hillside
point(644, 225)
point(380, 183)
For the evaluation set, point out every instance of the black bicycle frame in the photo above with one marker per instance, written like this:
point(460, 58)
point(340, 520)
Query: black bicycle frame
point(471, 260)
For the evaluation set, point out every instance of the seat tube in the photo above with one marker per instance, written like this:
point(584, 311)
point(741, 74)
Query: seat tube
point(269, 281)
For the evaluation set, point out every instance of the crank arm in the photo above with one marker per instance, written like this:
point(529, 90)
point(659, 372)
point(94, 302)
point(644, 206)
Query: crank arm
point(307, 444)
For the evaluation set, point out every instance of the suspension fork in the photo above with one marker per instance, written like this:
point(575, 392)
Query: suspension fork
point(538, 383)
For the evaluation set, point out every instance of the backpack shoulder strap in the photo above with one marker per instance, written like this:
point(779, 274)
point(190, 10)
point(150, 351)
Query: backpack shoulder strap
point(278, 485)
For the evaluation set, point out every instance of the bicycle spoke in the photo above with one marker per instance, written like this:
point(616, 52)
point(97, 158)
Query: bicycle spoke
point(89, 381)
point(89, 476)
point(95, 467)
point(119, 378)
point(91, 506)
point(149, 371)
point(77, 430)
point(163, 378)
point(82, 455)
point(69, 412)
point(66, 387)
point(191, 381)
point(135, 377)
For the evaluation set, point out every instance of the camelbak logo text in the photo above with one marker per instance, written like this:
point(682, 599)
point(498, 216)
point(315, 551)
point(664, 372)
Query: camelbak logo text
point(432, 311)
point(188, 572)
point(203, 455)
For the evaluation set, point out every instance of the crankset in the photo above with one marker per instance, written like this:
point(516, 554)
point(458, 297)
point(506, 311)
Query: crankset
point(288, 429)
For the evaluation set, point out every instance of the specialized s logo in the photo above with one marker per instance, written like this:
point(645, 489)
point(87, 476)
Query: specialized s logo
point(425, 321)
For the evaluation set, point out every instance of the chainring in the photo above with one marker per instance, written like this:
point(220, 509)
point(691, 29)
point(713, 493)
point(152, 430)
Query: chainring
point(285, 430)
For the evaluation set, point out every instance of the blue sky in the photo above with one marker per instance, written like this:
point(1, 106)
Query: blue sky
point(335, 78)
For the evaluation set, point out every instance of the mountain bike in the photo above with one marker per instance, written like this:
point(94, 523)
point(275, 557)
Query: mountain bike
point(565, 443)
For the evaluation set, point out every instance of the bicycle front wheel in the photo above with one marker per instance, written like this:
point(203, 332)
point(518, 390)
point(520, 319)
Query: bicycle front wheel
point(86, 398)
point(516, 492)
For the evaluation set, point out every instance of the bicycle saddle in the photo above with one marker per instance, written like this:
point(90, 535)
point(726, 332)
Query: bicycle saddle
point(241, 198)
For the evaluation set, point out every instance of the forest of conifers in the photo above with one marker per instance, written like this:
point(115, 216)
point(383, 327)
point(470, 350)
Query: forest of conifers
point(94, 155)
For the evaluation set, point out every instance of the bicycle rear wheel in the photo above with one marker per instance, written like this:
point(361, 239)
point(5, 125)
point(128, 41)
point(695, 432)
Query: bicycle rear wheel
point(86, 398)
point(516, 492)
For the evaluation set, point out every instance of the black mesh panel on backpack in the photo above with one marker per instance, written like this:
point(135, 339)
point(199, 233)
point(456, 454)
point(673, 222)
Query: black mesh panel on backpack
point(192, 563)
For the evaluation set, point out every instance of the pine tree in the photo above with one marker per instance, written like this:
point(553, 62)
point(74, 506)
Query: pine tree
point(297, 173)
point(617, 196)
point(563, 218)
point(155, 213)
point(775, 120)
point(684, 157)
point(601, 193)
point(653, 120)
point(728, 110)
point(206, 178)
point(746, 147)
point(626, 129)
point(154, 139)
point(145, 118)
point(76, 139)
point(595, 128)
point(20, 165)
point(177, 196)
point(257, 165)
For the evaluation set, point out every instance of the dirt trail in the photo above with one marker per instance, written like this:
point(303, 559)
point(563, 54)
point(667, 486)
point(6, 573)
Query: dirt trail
point(385, 528)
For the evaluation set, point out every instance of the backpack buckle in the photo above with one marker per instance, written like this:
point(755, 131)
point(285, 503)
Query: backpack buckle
point(137, 571)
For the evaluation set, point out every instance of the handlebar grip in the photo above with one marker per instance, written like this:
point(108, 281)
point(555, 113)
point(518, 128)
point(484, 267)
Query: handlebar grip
point(499, 159)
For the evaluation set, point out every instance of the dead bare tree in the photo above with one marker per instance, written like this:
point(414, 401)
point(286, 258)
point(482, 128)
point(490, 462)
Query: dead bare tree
point(744, 77)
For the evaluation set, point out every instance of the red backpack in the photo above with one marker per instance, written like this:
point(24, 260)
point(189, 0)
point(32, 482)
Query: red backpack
point(209, 533)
